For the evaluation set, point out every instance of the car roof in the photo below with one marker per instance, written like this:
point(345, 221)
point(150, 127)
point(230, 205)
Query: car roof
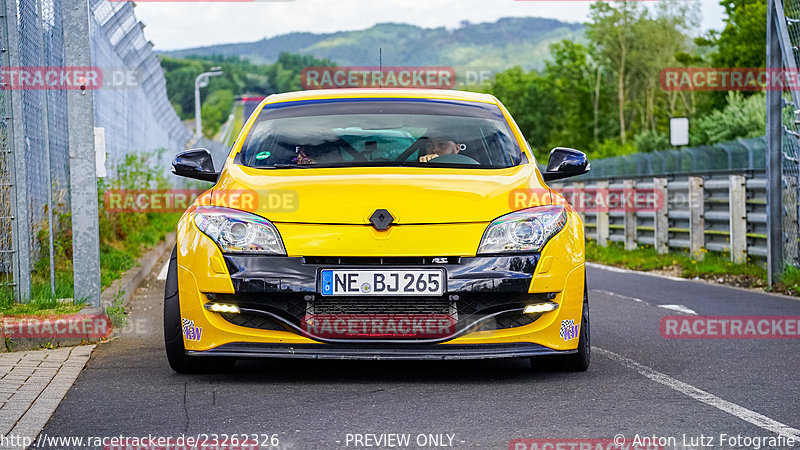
point(381, 93)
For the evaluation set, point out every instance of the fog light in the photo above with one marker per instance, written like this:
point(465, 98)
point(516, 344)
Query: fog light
point(539, 308)
point(222, 308)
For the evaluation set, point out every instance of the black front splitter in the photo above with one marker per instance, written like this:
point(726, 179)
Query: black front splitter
point(378, 352)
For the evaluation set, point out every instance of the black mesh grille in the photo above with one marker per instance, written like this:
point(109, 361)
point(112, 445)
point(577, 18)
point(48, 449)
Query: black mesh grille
point(382, 306)
point(250, 320)
point(510, 320)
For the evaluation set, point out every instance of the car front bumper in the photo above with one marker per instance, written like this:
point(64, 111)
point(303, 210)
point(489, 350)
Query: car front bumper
point(276, 284)
point(380, 352)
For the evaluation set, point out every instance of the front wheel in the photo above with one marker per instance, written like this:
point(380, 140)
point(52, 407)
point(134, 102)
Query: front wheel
point(576, 362)
point(178, 360)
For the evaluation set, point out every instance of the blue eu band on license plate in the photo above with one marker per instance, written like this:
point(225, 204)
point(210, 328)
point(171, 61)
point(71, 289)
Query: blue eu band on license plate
point(405, 282)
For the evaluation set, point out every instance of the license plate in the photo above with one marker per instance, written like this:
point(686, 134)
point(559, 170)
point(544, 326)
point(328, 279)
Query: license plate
point(419, 282)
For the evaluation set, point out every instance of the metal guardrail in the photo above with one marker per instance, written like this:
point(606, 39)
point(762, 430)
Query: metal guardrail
point(723, 211)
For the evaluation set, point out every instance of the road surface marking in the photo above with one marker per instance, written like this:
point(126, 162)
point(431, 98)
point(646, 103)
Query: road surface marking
point(620, 270)
point(679, 308)
point(702, 396)
point(163, 274)
point(624, 297)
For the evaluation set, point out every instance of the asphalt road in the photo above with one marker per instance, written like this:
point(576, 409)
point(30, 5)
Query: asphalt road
point(638, 384)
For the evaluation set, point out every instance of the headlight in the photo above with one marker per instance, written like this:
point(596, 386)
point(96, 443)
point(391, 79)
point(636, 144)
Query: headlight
point(238, 232)
point(523, 231)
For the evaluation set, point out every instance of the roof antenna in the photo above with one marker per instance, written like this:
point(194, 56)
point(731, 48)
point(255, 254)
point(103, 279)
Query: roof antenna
point(380, 66)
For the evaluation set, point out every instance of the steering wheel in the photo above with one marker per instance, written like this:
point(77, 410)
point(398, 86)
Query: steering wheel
point(413, 148)
point(454, 158)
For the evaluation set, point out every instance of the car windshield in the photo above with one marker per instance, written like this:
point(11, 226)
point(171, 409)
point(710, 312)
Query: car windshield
point(360, 134)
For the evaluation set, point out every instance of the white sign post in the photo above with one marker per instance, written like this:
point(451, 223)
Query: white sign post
point(678, 131)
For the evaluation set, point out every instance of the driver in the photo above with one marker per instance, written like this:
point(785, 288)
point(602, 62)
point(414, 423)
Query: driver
point(437, 147)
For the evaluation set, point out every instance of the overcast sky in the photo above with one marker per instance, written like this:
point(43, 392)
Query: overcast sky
point(190, 24)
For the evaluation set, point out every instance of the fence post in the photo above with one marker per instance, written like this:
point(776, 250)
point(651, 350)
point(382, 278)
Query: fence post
point(82, 173)
point(737, 199)
point(602, 214)
point(21, 223)
point(696, 218)
point(631, 231)
point(661, 219)
point(775, 36)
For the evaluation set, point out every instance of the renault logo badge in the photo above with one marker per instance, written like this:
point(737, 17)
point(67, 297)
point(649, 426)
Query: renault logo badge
point(381, 219)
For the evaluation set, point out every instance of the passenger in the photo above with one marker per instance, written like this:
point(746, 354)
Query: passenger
point(302, 158)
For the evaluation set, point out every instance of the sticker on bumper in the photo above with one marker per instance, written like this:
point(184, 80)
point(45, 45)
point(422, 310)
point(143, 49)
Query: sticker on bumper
point(191, 332)
point(569, 330)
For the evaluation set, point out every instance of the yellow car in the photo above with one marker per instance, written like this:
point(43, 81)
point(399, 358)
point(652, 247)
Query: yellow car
point(378, 224)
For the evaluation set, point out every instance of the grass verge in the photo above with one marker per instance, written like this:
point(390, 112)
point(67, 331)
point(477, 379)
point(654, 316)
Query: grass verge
point(123, 239)
point(716, 267)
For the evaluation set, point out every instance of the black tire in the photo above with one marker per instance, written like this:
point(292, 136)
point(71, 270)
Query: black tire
point(579, 362)
point(178, 360)
point(576, 362)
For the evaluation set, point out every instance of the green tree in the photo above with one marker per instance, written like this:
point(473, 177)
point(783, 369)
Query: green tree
point(572, 78)
point(530, 100)
point(612, 28)
point(215, 111)
point(240, 77)
point(743, 41)
point(742, 117)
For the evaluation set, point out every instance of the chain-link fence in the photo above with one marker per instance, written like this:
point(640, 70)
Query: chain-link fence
point(135, 113)
point(130, 109)
point(739, 155)
point(7, 243)
point(783, 159)
point(34, 145)
point(790, 144)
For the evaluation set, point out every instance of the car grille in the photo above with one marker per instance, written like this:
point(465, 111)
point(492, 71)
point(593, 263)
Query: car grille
point(295, 308)
point(257, 321)
point(382, 306)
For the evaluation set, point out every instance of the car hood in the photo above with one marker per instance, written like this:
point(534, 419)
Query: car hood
point(353, 195)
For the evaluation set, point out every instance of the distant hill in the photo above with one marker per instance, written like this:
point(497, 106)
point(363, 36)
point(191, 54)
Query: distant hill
point(499, 45)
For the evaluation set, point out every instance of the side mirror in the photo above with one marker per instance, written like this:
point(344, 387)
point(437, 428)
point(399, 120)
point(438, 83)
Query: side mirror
point(564, 163)
point(195, 164)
